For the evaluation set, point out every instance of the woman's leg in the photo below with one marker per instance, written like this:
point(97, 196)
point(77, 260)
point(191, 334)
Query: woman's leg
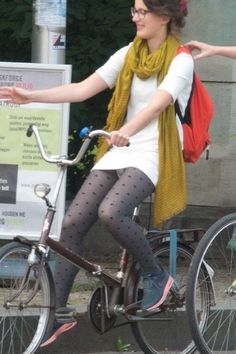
point(116, 213)
point(80, 216)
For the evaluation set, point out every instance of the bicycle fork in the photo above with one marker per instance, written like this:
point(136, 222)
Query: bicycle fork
point(24, 283)
point(33, 260)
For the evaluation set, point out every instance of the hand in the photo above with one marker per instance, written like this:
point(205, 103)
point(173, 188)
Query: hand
point(118, 139)
point(205, 49)
point(14, 95)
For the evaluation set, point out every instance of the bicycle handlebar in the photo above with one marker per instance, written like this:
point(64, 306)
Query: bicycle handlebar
point(89, 135)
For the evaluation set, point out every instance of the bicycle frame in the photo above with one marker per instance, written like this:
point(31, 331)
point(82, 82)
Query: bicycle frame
point(45, 242)
point(29, 298)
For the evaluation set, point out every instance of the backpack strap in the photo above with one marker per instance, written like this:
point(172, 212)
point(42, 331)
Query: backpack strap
point(186, 118)
point(183, 49)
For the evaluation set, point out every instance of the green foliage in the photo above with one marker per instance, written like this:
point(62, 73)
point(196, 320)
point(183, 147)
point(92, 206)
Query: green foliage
point(77, 174)
point(120, 346)
point(15, 30)
point(95, 30)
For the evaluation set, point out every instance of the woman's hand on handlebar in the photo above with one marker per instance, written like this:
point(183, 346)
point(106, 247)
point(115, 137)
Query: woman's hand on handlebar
point(14, 95)
point(118, 139)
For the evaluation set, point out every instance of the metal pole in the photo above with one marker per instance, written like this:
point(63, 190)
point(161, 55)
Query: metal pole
point(49, 31)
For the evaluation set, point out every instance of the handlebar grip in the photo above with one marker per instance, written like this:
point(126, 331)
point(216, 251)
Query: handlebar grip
point(29, 131)
point(84, 132)
point(89, 133)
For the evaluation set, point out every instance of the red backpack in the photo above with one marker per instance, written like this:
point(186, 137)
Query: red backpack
point(196, 120)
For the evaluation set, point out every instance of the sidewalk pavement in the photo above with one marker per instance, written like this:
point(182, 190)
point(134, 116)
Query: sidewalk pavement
point(84, 339)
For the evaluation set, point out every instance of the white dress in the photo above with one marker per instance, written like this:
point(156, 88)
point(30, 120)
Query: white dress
point(142, 152)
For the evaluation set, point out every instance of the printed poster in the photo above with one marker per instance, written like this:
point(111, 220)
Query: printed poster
point(21, 166)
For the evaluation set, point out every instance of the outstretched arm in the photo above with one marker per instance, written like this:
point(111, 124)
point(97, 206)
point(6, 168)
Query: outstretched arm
point(75, 92)
point(207, 50)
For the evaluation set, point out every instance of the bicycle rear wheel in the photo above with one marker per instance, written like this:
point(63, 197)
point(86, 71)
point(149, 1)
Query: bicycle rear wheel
point(165, 331)
point(22, 327)
point(216, 252)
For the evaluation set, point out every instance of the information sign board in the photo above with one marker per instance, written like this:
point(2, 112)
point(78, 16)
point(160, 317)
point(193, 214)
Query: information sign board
point(21, 167)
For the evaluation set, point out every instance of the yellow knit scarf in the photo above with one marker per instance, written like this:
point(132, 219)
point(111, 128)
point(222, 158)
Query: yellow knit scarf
point(170, 193)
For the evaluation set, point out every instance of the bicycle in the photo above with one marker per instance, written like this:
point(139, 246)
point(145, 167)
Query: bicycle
point(27, 294)
point(214, 261)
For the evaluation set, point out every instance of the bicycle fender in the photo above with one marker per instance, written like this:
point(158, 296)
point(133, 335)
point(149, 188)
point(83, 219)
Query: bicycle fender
point(23, 240)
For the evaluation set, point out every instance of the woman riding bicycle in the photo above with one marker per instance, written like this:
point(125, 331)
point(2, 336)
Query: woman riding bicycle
point(143, 154)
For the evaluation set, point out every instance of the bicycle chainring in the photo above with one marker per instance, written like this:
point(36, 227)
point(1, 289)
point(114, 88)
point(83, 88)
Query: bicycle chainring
point(97, 311)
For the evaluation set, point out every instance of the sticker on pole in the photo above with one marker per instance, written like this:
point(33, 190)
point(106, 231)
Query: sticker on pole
point(58, 41)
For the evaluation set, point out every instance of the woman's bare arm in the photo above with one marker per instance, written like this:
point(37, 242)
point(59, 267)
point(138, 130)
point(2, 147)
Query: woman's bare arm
point(207, 50)
point(75, 92)
point(141, 119)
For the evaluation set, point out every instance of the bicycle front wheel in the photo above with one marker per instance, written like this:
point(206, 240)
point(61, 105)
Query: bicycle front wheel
point(214, 264)
point(167, 330)
point(22, 326)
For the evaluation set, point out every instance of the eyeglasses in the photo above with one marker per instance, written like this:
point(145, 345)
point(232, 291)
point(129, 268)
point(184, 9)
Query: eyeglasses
point(140, 13)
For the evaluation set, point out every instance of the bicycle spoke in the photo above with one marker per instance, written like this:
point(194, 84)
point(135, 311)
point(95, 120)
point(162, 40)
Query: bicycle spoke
point(171, 319)
point(216, 249)
point(22, 327)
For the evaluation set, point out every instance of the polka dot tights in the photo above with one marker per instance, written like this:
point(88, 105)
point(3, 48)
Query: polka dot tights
point(112, 199)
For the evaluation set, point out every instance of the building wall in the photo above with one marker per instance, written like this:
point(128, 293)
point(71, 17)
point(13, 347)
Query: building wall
point(213, 182)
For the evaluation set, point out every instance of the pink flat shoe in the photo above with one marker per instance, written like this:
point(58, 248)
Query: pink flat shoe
point(62, 329)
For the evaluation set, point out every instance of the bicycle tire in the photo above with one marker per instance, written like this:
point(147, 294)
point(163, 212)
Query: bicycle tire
point(23, 328)
point(169, 333)
point(217, 250)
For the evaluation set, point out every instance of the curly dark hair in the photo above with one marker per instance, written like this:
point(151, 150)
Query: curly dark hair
point(174, 9)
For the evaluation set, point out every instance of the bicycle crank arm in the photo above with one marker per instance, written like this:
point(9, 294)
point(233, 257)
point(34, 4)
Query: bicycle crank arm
point(134, 318)
point(22, 306)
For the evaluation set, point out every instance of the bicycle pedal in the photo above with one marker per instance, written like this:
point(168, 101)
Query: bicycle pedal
point(144, 315)
point(65, 315)
point(66, 320)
